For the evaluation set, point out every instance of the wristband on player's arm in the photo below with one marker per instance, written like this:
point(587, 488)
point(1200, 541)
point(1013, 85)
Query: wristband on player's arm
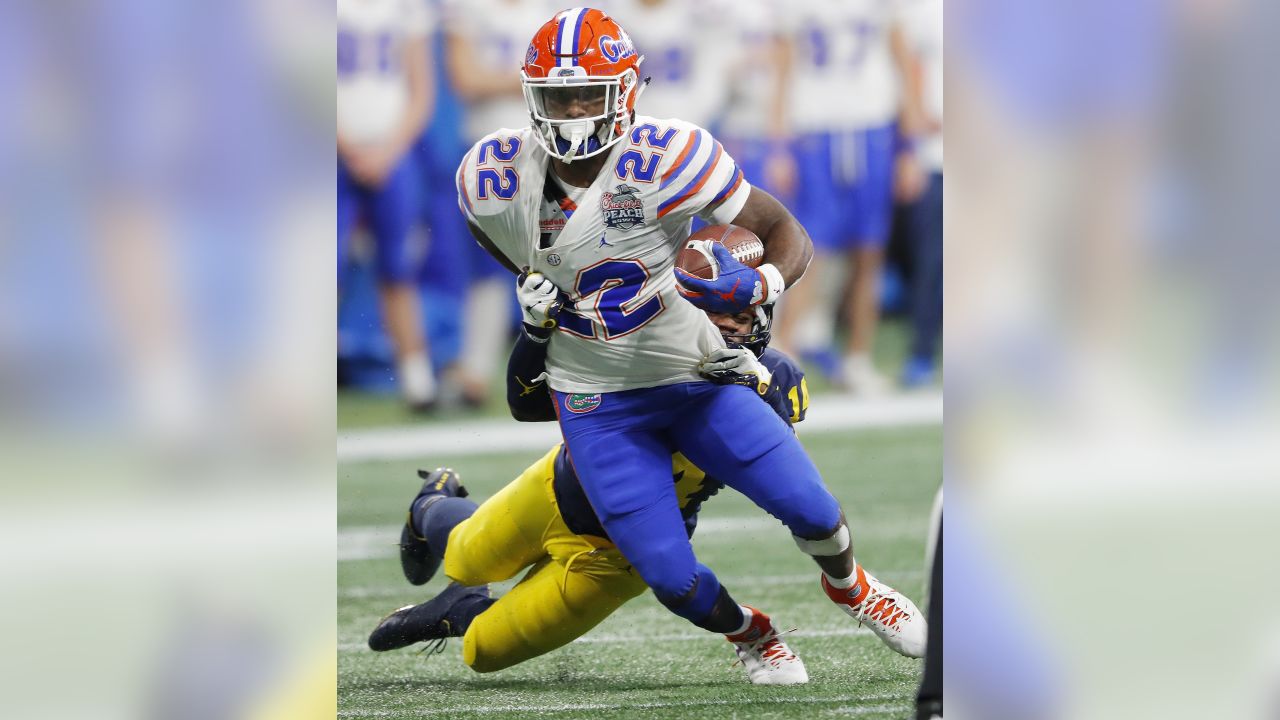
point(773, 283)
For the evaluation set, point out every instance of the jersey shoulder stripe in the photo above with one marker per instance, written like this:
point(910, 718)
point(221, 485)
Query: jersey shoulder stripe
point(729, 187)
point(682, 160)
point(695, 184)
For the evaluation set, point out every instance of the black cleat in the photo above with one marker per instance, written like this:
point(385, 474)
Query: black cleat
point(419, 623)
point(416, 559)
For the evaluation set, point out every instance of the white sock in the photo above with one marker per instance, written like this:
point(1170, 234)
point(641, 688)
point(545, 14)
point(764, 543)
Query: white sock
point(416, 381)
point(746, 620)
point(844, 583)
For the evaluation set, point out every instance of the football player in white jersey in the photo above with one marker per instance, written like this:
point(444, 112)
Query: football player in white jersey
point(594, 202)
point(384, 99)
point(847, 60)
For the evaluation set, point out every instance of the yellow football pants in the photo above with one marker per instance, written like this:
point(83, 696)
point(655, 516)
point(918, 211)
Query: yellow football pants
point(575, 581)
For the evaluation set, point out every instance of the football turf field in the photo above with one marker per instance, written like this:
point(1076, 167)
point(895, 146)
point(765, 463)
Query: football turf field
point(643, 661)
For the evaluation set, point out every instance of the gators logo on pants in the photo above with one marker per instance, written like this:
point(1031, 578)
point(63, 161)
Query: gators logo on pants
point(578, 403)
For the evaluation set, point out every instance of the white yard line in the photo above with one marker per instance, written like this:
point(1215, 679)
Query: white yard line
point(375, 542)
point(398, 591)
point(755, 700)
point(622, 639)
point(828, 413)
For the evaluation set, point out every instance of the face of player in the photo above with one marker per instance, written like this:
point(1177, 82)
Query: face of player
point(732, 324)
point(570, 103)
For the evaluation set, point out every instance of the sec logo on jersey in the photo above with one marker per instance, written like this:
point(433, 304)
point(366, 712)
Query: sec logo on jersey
point(622, 208)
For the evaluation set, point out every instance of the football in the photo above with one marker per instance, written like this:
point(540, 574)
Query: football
point(743, 244)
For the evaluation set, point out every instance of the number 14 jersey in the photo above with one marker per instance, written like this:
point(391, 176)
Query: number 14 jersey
point(612, 251)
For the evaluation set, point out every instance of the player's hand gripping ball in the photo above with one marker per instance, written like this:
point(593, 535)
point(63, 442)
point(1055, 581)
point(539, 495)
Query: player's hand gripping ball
point(540, 302)
point(737, 366)
point(716, 269)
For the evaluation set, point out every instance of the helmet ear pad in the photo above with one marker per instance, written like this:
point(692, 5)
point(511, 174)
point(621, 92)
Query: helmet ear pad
point(629, 89)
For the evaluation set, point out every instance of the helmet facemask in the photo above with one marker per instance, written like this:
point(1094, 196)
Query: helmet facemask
point(758, 338)
point(601, 104)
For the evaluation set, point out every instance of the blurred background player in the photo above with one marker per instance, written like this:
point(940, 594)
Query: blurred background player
point(753, 125)
point(918, 181)
point(384, 93)
point(486, 42)
point(842, 97)
point(686, 55)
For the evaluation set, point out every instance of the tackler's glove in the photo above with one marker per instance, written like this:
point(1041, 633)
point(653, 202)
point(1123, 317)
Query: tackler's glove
point(736, 287)
point(736, 366)
point(540, 302)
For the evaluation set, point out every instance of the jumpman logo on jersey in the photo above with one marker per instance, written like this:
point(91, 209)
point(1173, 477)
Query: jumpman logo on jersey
point(603, 242)
point(528, 388)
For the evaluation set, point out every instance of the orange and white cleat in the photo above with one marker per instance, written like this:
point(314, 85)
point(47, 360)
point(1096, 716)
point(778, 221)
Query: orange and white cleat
point(889, 613)
point(768, 660)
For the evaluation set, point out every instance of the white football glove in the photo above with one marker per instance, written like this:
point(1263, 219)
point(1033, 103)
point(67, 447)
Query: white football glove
point(738, 366)
point(540, 301)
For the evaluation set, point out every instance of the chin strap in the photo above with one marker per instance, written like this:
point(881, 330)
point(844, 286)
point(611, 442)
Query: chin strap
point(576, 134)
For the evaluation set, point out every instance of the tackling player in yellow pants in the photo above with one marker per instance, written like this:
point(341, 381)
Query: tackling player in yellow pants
point(574, 582)
point(542, 521)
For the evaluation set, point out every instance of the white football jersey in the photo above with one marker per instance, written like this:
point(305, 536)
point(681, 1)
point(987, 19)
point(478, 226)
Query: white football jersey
point(843, 75)
point(612, 251)
point(372, 88)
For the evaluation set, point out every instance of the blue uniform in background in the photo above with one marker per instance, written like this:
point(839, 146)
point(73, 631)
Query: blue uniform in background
point(846, 187)
point(445, 273)
point(389, 212)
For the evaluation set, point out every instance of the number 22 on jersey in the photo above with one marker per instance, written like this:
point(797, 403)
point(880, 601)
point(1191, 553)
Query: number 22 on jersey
point(503, 181)
point(619, 283)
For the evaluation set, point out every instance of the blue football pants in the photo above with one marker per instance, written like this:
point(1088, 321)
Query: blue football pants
point(621, 450)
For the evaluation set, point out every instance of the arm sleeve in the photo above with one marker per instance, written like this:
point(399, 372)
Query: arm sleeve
point(777, 400)
point(527, 395)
